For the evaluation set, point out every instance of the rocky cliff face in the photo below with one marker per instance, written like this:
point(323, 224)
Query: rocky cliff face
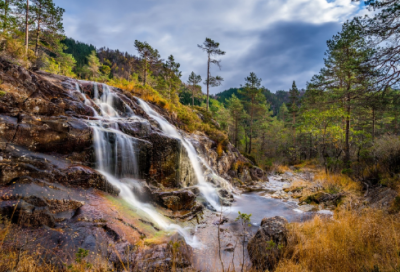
point(48, 183)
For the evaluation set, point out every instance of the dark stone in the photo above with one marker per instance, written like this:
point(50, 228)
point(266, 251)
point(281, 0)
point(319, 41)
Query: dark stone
point(25, 214)
point(176, 200)
point(265, 247)
point(256, 173)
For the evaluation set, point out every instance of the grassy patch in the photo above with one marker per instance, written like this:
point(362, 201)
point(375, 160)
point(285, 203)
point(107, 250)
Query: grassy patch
point(353, 241)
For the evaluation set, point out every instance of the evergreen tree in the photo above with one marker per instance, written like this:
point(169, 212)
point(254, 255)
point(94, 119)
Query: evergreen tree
point(346, 77)
point(171, 76)
point(47, 18)
point(149, 56)
point(193, 81)
point(93, 64)
point(252, 99)
point(236, 109)
point(212, 49)
point(293, 108)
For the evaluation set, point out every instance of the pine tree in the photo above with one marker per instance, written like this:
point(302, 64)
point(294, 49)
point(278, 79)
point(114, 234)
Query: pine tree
point(171, 76)
point(149, 56)
point(93, 64)
point(48, 20)
point(193, 81)
point(236, 109)
point(293, 108)
point(212, 49)
point(252, 99)
point(347, 78)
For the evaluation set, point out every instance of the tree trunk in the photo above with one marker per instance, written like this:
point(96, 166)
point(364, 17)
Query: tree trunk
point(7, 3)
point(245, 138)
point(236, 132)
point(373, 124)
point(251, 125)
point(193, 95)
point(208, 80)
point(294, 129)
point(145, 72)
point(347, 144)
point(38, 31)
point(27, 29)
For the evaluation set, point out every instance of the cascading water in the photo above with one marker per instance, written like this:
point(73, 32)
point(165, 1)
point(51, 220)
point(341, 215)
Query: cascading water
point(116, 154)
point(206, 189)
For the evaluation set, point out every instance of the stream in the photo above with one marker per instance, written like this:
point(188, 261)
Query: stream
point(117, 157)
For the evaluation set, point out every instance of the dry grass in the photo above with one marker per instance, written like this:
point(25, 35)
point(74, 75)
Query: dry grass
point(352, 241)
point(280, 169)
point(337, 182)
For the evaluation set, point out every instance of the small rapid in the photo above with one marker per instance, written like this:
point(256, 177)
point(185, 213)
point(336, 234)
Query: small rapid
point(208, 191)
point(117, 154)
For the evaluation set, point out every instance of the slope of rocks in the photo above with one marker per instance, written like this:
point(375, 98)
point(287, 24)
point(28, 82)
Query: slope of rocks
point(49, 187)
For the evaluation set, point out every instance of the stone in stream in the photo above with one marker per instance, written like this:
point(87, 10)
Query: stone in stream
point(265, 247)
point(176, 200)
point(308, 208)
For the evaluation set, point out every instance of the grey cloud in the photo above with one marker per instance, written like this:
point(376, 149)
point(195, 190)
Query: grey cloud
point(274, 38)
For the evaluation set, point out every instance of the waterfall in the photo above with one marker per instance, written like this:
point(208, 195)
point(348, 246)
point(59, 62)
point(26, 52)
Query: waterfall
point(206, 189)
point(116, 153)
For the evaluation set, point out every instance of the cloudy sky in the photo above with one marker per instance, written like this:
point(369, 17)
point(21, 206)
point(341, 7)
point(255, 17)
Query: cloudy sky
point(279, 40)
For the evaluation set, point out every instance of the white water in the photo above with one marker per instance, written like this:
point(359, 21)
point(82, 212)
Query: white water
point(116, 155)
point(206, 189)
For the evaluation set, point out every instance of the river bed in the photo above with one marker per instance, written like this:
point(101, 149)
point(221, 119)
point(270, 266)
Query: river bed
point(256, 203)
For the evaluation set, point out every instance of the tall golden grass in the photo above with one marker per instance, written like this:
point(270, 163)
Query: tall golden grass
point(351, 241)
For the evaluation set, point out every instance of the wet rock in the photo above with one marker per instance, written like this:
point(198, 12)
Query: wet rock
point(22, 213)
point(229, 248)
point(221, 221)
point(165, 257)
point(265, 247)
point(245, 176)
point(85, 177)
point(308, 208)
point(381, 197)
point(256, 173)
point(165, 160)
point(176, 200)
point(226, 198)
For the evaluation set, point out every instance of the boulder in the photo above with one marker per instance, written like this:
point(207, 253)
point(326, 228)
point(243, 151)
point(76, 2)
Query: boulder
point(308, 208)
point(256, 173)
point(165, 160)
point(22, 213)
point(176, 200)
point(245, 176)
point(265, 247)
point(175, 255)
point(225, 197)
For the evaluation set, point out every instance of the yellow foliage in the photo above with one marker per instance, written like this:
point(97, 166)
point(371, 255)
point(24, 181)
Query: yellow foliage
point(190, 120)
point(340, 181)
point(352, 241)
point(220, 150)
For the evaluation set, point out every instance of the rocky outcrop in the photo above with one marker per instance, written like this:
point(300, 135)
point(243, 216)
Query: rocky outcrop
point(176, 200)
point(265, 247)
point(48, 180)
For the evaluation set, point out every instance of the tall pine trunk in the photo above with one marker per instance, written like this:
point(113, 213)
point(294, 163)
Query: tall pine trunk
point(373, 124)
point(7, 3)
point(193, 95)
point(251, 125)
point(347, 140)
point(38, 30)
point(208, 80)
point(27, 28)
point(236, 132)
point(145, 72)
